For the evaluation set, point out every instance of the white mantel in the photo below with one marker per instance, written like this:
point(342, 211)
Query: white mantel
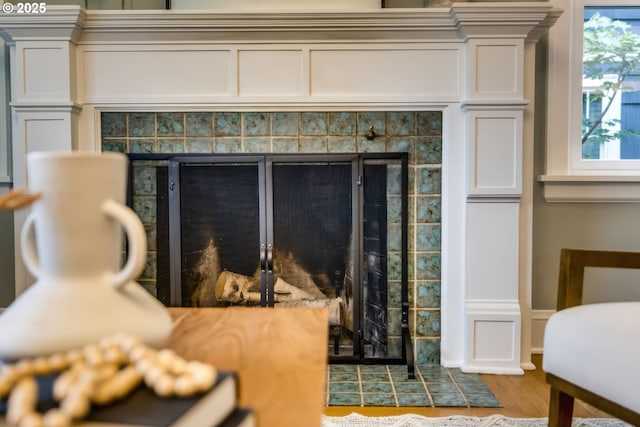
point(473, 61)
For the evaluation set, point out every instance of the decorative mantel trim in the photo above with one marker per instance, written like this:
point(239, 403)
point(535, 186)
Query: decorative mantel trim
point(463, 20)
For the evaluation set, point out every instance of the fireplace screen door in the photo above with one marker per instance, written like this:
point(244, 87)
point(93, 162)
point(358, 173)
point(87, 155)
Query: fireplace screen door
point(285, 231)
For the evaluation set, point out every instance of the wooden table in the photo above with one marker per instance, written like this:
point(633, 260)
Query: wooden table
point(280, 354)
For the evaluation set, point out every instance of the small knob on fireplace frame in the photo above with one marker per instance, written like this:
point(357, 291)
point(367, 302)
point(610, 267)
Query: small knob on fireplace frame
point(371, 134)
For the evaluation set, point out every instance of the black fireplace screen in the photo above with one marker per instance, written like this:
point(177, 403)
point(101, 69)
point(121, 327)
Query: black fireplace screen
point(285, 231)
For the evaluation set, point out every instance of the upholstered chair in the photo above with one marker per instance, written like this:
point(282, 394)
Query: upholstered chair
point(592, 351)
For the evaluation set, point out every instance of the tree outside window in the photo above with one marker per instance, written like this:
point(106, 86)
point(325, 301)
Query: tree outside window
point(611, 83)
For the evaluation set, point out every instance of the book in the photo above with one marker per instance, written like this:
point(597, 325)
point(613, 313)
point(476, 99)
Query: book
point(240, 417)
point(143, 408)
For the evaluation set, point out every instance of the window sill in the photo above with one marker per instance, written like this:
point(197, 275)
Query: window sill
point(591, 188)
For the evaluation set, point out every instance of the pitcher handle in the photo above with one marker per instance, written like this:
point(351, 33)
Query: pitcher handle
point(28, 247)
point(137, 242)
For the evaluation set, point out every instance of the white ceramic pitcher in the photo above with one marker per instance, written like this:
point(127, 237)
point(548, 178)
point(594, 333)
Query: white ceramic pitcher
point(81, 293)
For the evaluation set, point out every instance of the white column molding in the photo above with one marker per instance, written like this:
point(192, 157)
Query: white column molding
point(494, 109)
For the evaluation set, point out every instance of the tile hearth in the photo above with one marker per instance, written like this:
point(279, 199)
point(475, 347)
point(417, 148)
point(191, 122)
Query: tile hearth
point(388, 385)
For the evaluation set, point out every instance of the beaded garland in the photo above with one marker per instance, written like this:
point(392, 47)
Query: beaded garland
point(99, 373)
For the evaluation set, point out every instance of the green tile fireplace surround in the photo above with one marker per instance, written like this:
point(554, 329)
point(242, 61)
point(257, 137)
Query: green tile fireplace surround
point(417, 133)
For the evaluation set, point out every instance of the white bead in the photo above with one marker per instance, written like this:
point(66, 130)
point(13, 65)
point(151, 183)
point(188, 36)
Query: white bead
point(164, 385)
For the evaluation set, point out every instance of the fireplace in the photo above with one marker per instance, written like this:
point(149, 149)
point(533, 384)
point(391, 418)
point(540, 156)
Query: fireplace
point(326, 228)
point(472, 64)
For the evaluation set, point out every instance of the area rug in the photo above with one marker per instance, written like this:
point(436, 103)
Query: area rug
point(412, 420)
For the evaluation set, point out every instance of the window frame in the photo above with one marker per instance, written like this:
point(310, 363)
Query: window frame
point(567, 176)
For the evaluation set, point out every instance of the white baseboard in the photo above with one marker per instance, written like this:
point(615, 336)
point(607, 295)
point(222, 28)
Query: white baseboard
point(538, 322)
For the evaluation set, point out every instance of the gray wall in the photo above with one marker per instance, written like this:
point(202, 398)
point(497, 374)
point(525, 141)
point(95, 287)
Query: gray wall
point(7, 286)
point(601, 226)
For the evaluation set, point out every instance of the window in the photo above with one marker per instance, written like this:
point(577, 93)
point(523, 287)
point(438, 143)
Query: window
point(610, 83)
point(593, 96)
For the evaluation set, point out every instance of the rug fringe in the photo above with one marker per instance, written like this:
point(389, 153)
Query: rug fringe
point(414, 420)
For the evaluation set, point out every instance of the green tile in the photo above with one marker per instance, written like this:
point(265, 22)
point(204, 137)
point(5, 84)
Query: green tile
point(429, 150)
point(343, 368)
point(413, 399)
point(285, 124)
point(428, 294)
point(171, 145)
point(142, 146)
point(342, 144)
point(145, 207)
point(227, 145)
point(227, 124)
point(442, 388)
point(397, 144)
point(394, 321)
point(428, 180)
point(313, 123)
point(257, 145)
point(343, 376)
point(313, 145)
point(428, 237)
point(432, 377)
point(114, 145)
point(394, 297)
point(344, 399)
point(427, 350)
point(427, 323)
point(374, 377)
point(199, 145)
point(409, 387)
point(375, 369)
point(433, 369)
point(379, 387)
point(428, 209)
point(152, 236)
point(342, 123)
point(170, 124)
point(394, 212)
point(256, 124)
point(199, 124)
point(113, 124)
point(285, 145)
point(449, 399)
point(394, 265)
point(344, 387)
point(428, 266)
point(379, 399)
point(141, 124)
point(150, 268)
point(401, 123)
point(377, 145)
point(144, 180)
point(429, 123)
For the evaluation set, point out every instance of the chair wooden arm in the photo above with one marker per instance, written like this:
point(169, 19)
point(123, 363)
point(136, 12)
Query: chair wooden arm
point(573, 263)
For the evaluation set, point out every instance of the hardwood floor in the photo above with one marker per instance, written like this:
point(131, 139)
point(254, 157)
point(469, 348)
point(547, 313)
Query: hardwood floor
point(522, 396)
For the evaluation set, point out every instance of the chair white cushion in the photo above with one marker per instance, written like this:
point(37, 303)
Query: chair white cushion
point(597, 347)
